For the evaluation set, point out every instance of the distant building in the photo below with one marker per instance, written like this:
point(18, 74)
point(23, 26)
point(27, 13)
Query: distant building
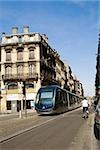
point(28, 61)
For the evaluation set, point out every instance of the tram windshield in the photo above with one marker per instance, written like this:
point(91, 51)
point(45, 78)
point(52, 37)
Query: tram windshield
point(47, 94)
point(44, 97)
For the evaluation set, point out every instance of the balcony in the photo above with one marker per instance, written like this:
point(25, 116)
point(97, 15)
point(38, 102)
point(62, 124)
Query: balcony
point(20, 77)
point(50, 65)
point(20, 38)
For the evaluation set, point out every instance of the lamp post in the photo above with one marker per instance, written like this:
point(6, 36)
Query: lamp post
point(21, 100)
point(24, 97)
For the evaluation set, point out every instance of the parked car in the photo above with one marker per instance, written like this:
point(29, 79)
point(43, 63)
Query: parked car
point(97, 122)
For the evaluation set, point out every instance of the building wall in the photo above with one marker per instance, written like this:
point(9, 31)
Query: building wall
point(48, 68)
point(97, 78)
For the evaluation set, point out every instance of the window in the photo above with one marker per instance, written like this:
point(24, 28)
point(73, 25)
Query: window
point(12, 85)
point(8, 56)
point(31, 54)
point(20, 70)
point(47, 94)
point(8, 70)
point(31, 69)
point(29, 85)
point(19, 55)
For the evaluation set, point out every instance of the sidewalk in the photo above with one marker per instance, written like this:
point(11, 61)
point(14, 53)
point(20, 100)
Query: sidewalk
point(85, 139)
point(15, 114)
point(11, 124)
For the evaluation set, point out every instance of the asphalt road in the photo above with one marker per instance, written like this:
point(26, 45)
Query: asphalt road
point(68, 131)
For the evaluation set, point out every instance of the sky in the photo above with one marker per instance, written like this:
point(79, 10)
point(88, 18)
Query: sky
point(72, 27)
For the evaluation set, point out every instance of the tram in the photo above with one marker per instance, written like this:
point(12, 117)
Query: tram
point(53, 99)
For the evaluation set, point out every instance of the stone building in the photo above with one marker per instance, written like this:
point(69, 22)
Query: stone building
point(27, 63)
point(97, 79)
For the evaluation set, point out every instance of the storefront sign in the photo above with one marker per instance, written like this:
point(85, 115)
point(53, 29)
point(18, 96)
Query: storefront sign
point(30, 96)
point(11, 97)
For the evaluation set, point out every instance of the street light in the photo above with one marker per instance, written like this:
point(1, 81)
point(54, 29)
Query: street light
point(24, 98)
point(21, 99)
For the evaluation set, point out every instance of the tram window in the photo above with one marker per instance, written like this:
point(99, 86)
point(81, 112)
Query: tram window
point(58, 92)
point(77, 99)
point(74, 100)
point(61, 97)
point(64, 97)
point(71, 99)
point(58, 96)
point(66, 100)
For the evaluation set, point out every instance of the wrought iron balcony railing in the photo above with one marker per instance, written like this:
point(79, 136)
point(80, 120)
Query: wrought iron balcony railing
point(20, 76)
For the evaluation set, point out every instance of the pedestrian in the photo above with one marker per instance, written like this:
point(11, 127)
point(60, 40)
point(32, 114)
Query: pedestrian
point(85, 106)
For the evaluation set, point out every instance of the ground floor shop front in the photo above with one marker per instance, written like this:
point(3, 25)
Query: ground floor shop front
point(16, 102)
point(15, 106)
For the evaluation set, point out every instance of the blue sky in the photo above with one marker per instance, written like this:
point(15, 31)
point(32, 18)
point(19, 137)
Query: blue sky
point(72, 27)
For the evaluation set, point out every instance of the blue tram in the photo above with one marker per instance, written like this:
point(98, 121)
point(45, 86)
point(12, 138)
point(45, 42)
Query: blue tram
point(53, 99)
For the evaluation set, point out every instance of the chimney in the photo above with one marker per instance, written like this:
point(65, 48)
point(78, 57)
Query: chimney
point(26, 29)
point(14, 30)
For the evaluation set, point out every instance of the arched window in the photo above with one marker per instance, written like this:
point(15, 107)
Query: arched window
point(12, 85)
point(29, 85)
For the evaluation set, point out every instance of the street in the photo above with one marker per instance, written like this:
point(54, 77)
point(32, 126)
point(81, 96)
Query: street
point(50, 64)
point(68, 131)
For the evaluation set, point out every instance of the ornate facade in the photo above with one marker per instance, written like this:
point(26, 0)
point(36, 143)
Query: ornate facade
point(27, 60)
